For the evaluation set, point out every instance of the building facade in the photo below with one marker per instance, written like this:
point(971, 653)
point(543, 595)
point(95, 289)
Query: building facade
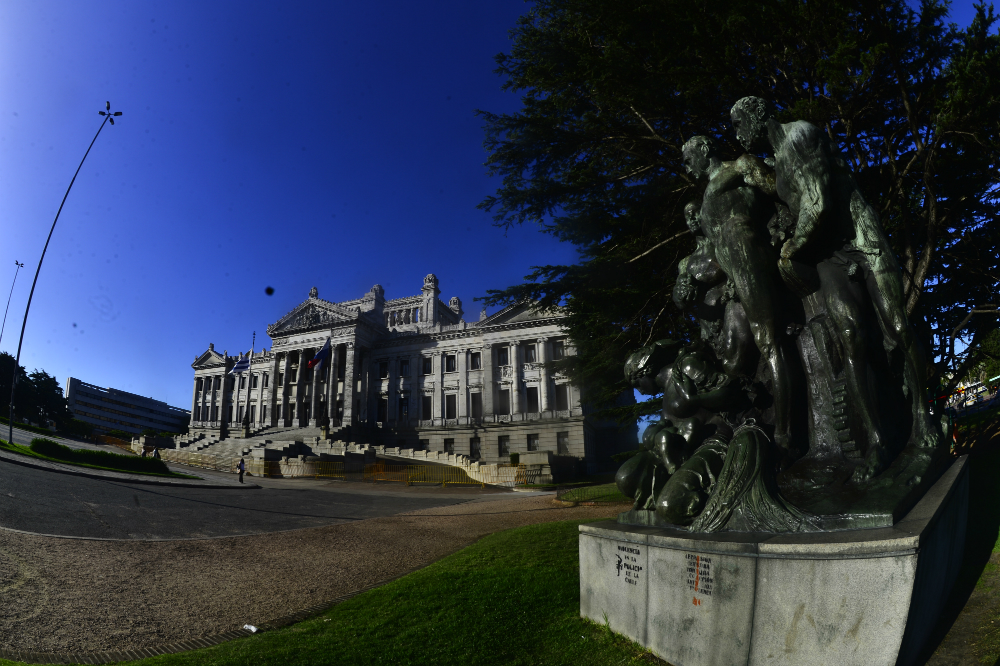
point(411, 372)
point(111, 409)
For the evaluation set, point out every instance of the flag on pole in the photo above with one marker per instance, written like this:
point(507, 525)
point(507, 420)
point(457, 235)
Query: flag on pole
point(320, 356)
point(241, 366)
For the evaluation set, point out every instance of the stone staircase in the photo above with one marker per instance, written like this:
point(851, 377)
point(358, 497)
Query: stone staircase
point(274, 443)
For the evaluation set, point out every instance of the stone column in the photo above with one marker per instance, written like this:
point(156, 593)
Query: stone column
point(272, 393)
point(194, 400)
point(363, 359)
point(515, 389)
point(349, 385)
point(439, 388)
point(314, 401)
point(331, 383)
point(392, 394)
point(462, 409)
point(489, 363)
point(204, 401)
point(543, 374)
point(300, 387)
point(217, 399)
point(286, 387)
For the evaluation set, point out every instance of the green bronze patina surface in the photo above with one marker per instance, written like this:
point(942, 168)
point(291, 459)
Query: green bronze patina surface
point(799, 408)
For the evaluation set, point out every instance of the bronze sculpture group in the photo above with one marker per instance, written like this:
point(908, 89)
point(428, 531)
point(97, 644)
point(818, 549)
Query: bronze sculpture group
point(801, 407)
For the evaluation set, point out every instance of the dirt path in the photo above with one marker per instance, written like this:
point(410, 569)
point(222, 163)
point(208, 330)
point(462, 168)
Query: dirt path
point(66, 595)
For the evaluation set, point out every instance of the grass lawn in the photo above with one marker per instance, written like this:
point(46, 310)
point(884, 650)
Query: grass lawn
point(607, 492)
point(105, 460)
point(511, 598)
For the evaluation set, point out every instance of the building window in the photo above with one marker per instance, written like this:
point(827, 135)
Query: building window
point(428, 365)
point(265, 380)
point(562, 397)
point(229, 414)
point(503, 356)
point(215, 413)
point(197, 413)
point(449, 446)
point(239, 414)
point(253, 381)
point(532, 396)
point(263, 413)
point(309, 374)
point(477, 405)
point(533, 442)
point(383, 369)
point(218, 383)
point(503, 402)
point(424, 445)
point(243, 381)
point(449, 363)
point(404, 368)
point(427, 407)
point(404, 408)
point(253, 413)
point(474, 451)
point(476, 360)
point(383, 409)
point(529, 353)
point(558, 349)
point(293, 375)
point(562, 443)
point(503, 445)
point(281, 379)
point(198, 387)
point(450, 402)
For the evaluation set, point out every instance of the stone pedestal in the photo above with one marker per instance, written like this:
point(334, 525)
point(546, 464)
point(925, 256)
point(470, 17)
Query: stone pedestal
point(850, 597)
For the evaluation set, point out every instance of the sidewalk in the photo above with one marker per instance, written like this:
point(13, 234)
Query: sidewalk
point(216, 481)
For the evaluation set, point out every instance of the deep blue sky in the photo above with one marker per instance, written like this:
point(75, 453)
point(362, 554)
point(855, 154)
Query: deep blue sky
point(262, 144)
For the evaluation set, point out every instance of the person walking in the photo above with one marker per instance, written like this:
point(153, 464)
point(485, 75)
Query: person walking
point(156, 453)
point(241, 467)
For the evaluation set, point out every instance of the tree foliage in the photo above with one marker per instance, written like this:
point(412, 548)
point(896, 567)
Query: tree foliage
point(38, 398)
point(611, 91)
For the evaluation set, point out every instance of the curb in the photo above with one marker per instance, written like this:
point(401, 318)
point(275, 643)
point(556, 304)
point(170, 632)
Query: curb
point(121, 476)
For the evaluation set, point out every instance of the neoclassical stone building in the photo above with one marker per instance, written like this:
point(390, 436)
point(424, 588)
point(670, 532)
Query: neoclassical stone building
point(410, 372)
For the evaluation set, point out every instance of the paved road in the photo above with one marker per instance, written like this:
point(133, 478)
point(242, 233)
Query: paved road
point(41, 501)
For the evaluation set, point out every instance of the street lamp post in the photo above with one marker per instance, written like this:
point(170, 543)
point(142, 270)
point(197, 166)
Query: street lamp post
point(16, 270)
point(108, 116)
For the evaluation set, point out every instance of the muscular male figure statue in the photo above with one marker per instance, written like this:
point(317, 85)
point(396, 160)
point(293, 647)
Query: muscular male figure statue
point(734, 216)
point(832, 216)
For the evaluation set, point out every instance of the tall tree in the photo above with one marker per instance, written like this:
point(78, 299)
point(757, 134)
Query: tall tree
point(611, 91)
point(24, 391)
point(48, 400)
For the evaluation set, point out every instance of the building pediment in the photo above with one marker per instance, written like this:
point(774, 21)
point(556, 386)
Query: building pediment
point(520, 312)
point(209, 357)
point(313, 313)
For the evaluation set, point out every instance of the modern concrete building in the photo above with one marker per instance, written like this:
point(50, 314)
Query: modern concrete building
point(111, 409)
point(410, 372)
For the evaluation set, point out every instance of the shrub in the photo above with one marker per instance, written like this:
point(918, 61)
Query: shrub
point(50, 449)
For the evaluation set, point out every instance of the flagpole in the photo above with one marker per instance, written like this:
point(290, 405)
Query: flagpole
point(16, 270)
point(24, 323)
point(246, 409)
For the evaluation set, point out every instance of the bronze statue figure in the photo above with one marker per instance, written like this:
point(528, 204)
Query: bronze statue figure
point(800, 407)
